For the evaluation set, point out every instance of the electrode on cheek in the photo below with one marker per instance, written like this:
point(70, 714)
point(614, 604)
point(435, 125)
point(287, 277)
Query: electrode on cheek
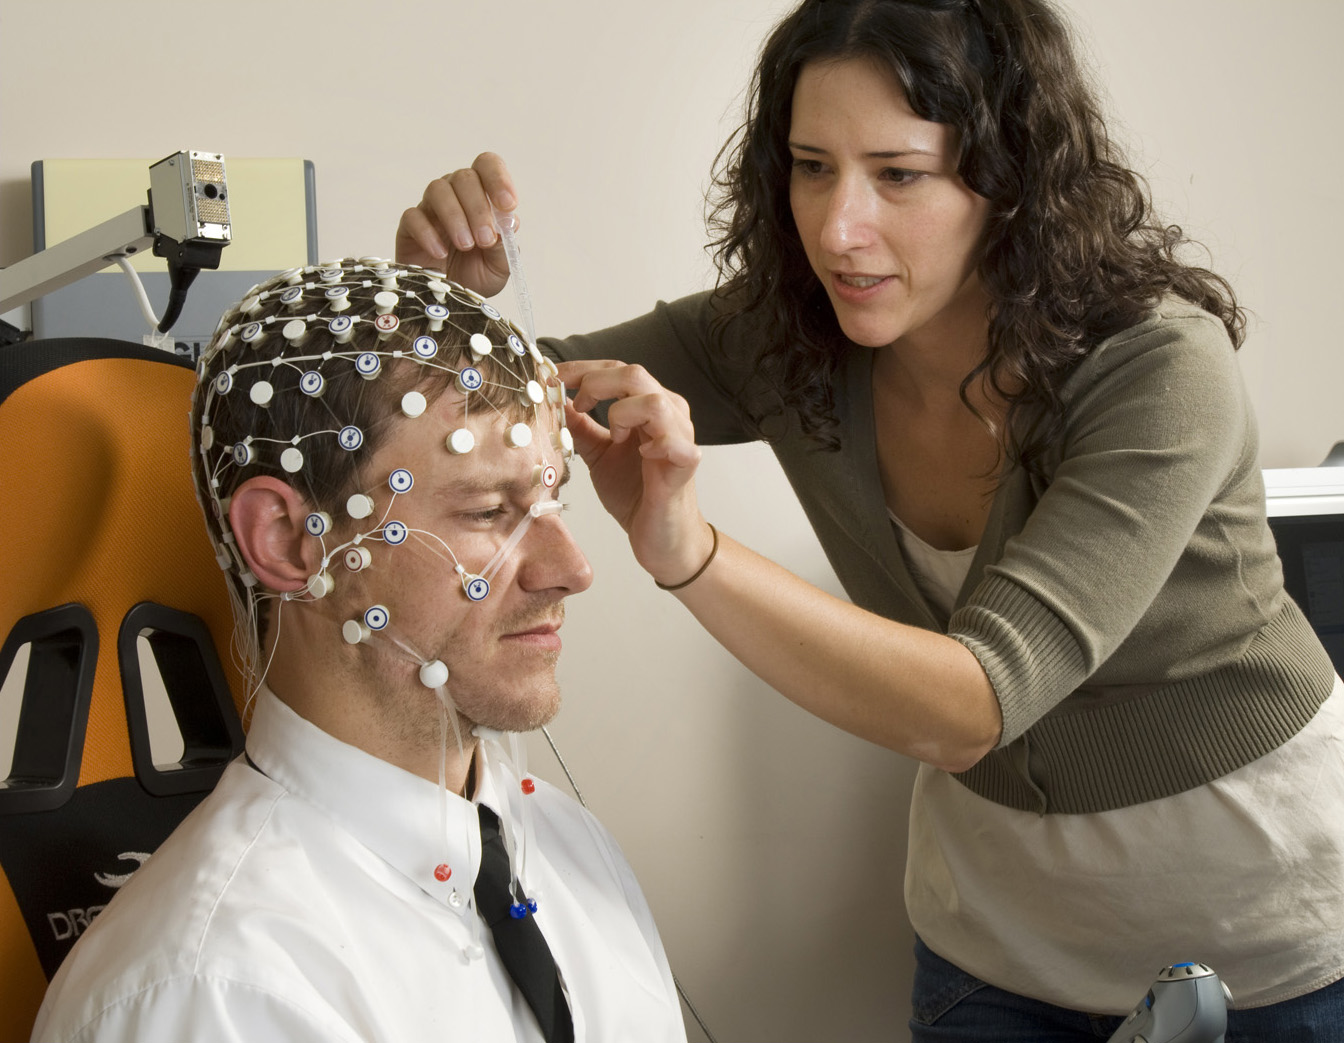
point(434, 674)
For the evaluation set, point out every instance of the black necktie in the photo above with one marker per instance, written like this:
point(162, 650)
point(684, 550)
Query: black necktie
point(519, 941)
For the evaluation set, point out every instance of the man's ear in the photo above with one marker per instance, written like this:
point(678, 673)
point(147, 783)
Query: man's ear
point(267, 517)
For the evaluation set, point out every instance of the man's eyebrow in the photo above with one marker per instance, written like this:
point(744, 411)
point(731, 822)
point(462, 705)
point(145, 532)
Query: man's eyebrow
point(479, 485)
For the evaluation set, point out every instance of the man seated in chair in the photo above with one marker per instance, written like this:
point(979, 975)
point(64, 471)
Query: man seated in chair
point(379, 457)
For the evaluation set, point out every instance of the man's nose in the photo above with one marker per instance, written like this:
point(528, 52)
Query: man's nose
point(552, 559)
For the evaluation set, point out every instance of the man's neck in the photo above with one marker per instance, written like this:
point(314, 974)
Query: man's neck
point(410, 733)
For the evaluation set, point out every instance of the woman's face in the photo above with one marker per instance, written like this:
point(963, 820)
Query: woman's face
point(891, 230)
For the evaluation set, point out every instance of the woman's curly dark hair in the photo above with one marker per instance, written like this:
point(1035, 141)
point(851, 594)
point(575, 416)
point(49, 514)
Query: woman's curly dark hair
point(1073, 251)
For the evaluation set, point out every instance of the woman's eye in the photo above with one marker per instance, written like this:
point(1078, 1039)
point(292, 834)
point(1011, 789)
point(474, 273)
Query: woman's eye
point(808, 167)
point(903, 177)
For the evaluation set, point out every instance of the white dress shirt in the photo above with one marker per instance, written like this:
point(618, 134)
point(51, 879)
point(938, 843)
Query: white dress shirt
point(300, 902)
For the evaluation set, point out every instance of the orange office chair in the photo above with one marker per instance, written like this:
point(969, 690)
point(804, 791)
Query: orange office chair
point(106, 566)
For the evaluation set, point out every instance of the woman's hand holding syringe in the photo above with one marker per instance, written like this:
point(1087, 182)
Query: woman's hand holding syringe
point(453, 228)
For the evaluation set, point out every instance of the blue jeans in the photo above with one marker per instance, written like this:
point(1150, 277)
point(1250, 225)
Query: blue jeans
point(951, 1006)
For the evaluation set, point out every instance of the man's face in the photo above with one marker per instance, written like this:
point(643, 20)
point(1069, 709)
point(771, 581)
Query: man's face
point(501, 651)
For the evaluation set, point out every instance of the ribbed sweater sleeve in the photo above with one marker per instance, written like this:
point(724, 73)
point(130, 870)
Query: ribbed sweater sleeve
point(1158, 429)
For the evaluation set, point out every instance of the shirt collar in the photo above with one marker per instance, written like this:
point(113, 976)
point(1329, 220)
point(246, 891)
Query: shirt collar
point(395, 814)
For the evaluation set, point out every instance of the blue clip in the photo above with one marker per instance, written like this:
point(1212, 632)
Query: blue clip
point(531, 906)
point(518, 910)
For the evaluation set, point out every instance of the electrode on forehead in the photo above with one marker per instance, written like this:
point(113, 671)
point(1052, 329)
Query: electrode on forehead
point(413, 404)
point(461, 441)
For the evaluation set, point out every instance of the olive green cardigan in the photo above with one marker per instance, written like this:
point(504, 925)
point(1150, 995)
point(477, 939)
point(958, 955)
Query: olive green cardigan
point(1128, 609)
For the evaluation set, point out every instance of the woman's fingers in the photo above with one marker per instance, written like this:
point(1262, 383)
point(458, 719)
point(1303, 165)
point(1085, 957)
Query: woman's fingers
point(453, 225)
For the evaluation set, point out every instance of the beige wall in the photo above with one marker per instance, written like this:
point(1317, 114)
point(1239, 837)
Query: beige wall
point(771, 846)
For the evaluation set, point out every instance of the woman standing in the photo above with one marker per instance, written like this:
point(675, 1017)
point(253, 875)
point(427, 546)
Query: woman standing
point(1013, 416)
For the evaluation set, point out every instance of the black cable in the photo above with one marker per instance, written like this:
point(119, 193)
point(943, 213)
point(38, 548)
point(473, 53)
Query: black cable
point(180, 279)
point(185, 261)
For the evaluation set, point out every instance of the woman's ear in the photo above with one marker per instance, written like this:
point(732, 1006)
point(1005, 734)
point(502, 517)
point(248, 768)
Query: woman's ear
point(267, 517)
